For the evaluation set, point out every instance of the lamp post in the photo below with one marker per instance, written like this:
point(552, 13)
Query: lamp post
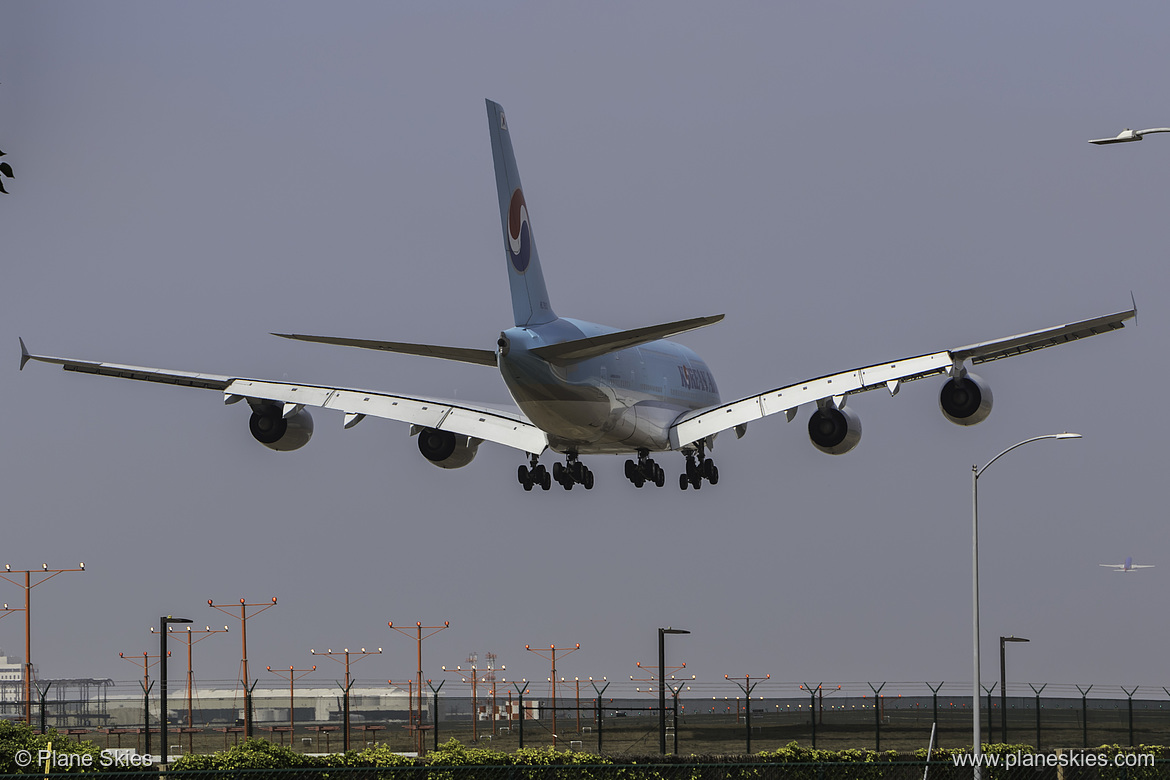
point(1003, 640)
point(162, 683)
point(1128, 135)
point(976, 472)
point(662, 632)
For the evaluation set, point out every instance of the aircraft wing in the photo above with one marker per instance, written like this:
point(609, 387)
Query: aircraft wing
point(702, 423)
point(509, 428)
point(1116, 566)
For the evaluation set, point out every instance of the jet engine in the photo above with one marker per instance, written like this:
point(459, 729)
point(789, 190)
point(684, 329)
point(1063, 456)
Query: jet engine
point(445, 449)
point(965, 400)
point(271, 428)
point(834, 431)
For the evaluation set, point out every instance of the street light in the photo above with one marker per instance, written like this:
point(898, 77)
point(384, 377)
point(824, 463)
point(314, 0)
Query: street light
point(662, 632)
point(162, 673)
point(1003, 684)
point(1128, 135)
point(976, 472)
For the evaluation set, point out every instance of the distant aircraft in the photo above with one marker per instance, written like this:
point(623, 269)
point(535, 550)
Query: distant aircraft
point(585, 389)
point(1128, 567)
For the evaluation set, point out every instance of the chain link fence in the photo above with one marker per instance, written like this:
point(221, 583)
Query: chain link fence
point(711, 768)
point(313, 720)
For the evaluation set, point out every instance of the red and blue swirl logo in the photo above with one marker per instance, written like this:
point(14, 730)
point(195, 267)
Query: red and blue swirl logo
point(519, 233)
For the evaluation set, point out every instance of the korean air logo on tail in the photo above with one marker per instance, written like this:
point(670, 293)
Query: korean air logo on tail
point(519, 233)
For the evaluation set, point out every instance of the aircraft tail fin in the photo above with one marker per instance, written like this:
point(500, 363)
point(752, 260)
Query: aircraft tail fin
point(530, 304)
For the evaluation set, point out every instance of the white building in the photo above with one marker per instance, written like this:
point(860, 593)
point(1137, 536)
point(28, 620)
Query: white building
point(11, 679)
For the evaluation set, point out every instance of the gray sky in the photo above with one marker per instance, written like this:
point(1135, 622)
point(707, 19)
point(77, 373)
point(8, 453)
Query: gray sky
point(848, 182)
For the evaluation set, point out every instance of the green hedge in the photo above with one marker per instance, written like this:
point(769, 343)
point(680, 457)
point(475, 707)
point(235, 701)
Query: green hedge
point(792, 762)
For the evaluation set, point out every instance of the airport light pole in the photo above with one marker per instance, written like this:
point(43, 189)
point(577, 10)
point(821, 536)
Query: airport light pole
point(552, 650)
point(243, 618)
point(417, 720)
point(45, 574)
point(1003, 640)
point(146, 685)
point(976, 472)
point(188, 638)
point(162, 681)
point(747, 686)
point(662, 632)
point(293, 676)
point(346, 653)
point(1127, 135)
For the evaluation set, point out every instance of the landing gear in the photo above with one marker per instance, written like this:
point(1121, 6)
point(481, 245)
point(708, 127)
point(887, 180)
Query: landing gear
point(699, 468)
point(573, 472)
point(536, 475)
point(645, 470)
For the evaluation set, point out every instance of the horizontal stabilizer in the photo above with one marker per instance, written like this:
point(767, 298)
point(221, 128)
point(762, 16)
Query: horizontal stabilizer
point(569, 352)
point(480, 357)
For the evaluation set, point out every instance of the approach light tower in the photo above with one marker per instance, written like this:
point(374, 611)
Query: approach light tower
point(346, 653)
point(552, 651)
point(418, 636)
point(187, 637)
point(243, 618)
point(28, 585)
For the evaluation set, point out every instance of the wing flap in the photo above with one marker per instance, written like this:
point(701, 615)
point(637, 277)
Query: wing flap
point(706, 422)
point(479, 422)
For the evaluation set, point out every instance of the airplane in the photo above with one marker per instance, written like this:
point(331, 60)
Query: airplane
point(583, 389)
point(1128, 567)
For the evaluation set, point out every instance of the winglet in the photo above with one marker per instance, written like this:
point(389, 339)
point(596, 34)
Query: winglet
point(24, 356)
point(1133, 300)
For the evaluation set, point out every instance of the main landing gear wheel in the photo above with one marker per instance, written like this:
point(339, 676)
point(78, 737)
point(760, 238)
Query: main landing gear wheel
point(698, 469)
point(645, 470)
point(531, 477)
point(573, 472)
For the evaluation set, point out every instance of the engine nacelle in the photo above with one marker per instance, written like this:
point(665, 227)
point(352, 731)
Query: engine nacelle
point(271, 428)
point(447, 450)
point(965, 400)
point(834, 431)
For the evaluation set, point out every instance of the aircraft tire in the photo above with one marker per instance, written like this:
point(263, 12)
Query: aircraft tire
point(527, 485)
point(683, 482)
point(660, 477)
point(714, 478)
point(522, 474)
point(588, 481)
point(630, 469)
point(545, 479)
